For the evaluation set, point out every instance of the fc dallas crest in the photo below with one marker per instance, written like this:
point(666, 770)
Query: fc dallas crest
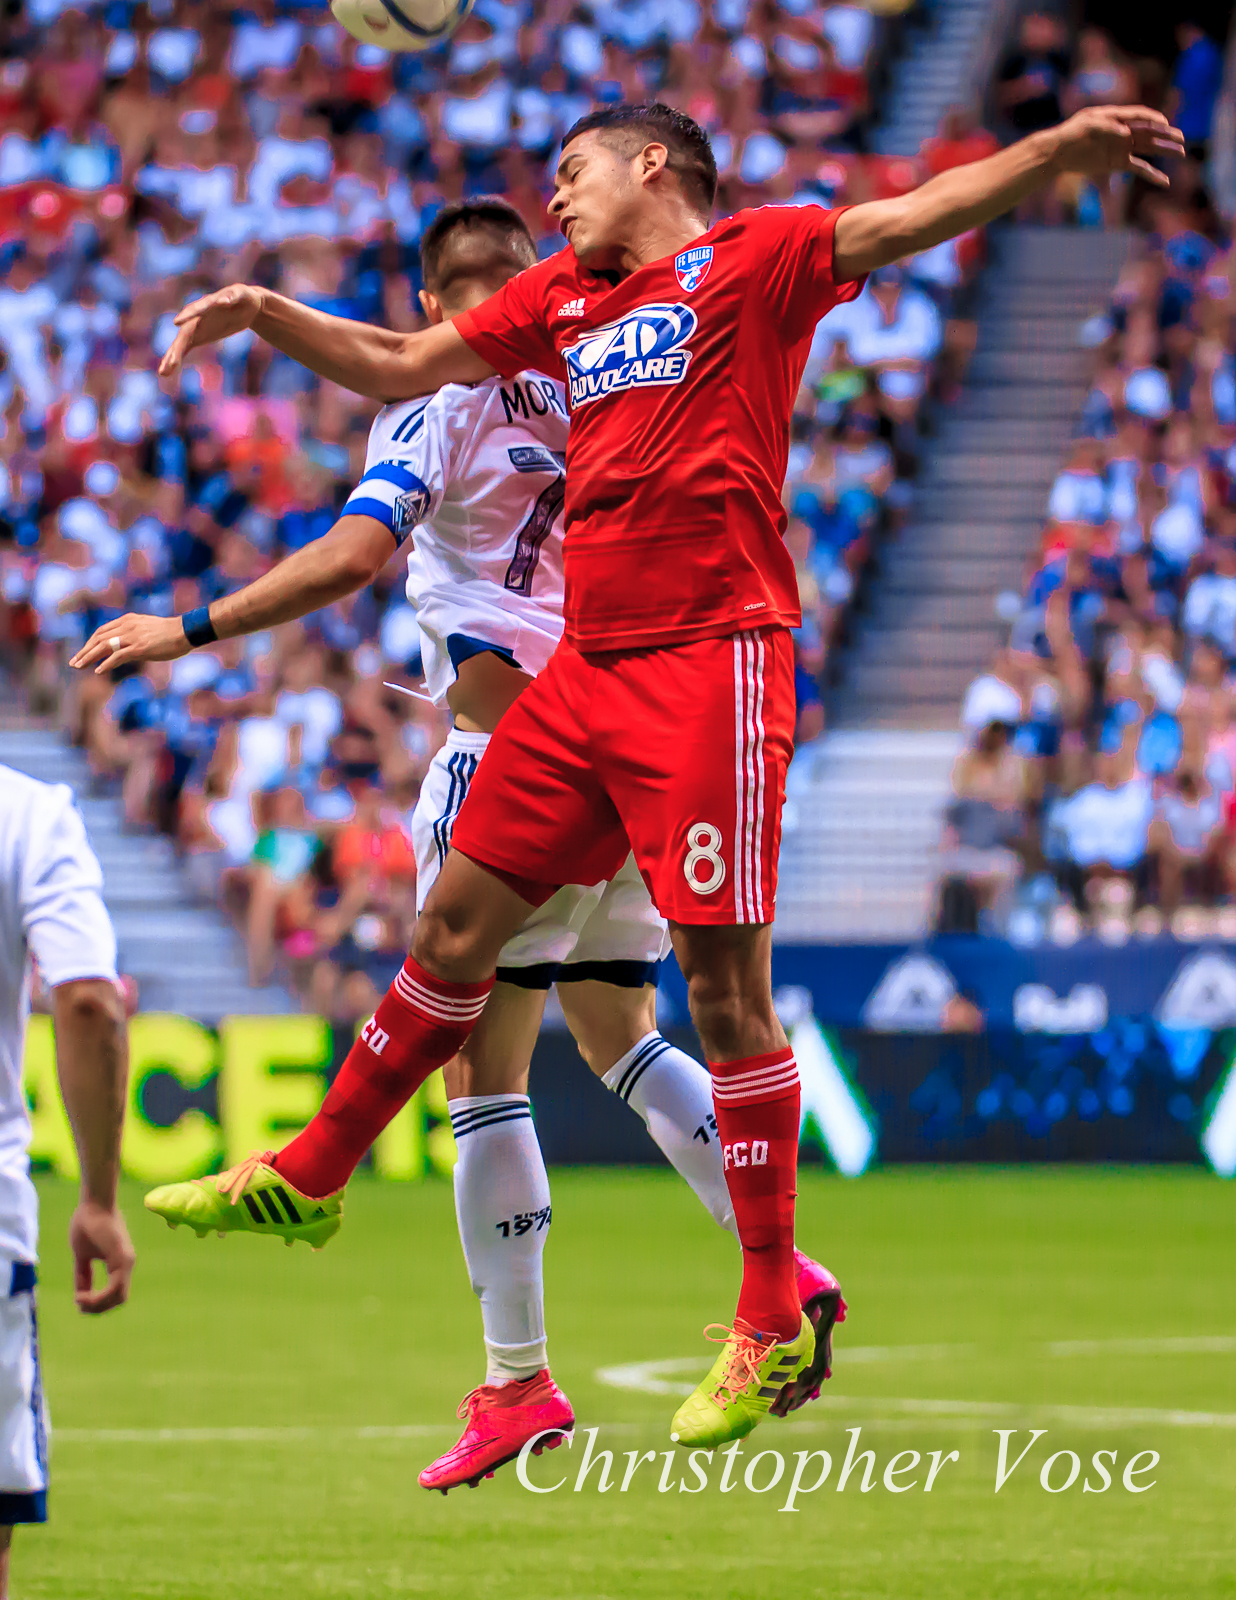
point(692, 266)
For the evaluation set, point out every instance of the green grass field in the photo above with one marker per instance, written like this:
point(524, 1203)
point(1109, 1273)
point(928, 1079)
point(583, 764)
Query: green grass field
point(252, 1423)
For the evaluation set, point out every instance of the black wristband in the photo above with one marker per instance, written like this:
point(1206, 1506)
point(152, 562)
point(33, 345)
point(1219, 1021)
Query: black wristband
point(198, 627)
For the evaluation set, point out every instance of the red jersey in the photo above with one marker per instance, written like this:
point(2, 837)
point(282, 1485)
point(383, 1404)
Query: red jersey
point(681, 379)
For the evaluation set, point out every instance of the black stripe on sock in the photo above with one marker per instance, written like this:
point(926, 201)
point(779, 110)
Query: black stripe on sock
point(275, 1214)
point(255, 1211)
point(634, 1064)
point(504, 1114)
point(467, 1113)
point(637, 1068)
point(477, 1123)
point(639, 1073)
point(474, 1124)
point(285, 1200)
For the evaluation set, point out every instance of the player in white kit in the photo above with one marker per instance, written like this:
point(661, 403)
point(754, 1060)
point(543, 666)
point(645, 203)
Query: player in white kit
point(51, 910)
point(475, 475)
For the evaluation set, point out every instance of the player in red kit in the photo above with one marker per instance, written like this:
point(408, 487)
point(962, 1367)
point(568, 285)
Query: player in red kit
point(663, 724)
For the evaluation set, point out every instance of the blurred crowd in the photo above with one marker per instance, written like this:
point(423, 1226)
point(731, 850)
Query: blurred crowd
point(1044, 78)
point(151, 152)
point(1098, 787)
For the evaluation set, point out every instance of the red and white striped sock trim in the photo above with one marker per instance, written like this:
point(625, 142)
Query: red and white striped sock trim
point(437, 1000)
point(744, 1083)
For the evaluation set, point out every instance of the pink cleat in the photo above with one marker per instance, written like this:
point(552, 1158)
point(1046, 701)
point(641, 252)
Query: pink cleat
point(501, 1419)
point(819, 1294)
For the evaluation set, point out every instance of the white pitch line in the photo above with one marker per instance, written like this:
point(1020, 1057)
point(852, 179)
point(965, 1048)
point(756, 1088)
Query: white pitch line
point(863, 1353)
point(415, 1430)
point(1081, 1416)
point(655, 1377)
point(897, 1412)
point(1201, 1344)
point(658, 1377)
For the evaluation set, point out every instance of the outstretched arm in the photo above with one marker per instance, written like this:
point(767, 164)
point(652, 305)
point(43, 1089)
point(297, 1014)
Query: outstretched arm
point(370, 361)
point(340, 562)
point(1097, 142)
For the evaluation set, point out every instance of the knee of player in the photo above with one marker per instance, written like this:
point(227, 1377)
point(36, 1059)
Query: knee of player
point(717, 1006)
point(437, 943)
point(450, 943)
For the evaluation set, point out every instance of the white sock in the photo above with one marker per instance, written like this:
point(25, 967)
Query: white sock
point(672, 1092)
point(502, 1205)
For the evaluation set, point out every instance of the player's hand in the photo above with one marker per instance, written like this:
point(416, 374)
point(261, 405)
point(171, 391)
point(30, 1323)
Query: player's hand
point(215, 316)
point(98, 1233)
point(132, 638)
point(1106, 139)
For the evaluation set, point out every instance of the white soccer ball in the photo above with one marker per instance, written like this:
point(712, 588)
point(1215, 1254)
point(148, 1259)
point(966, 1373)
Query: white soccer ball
point(400, 24)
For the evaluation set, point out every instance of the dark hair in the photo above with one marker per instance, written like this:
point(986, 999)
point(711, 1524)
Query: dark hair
point(690, 155)
point(478, 238)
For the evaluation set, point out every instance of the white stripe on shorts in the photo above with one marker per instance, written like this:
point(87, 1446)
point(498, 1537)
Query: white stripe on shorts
point(749, 666)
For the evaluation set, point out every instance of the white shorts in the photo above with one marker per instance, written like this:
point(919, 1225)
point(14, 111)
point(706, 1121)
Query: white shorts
point(611, 931)
point(24, 1426)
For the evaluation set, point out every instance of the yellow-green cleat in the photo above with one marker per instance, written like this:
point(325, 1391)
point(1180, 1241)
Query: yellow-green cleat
point(249, 1198)
point(745, 1380)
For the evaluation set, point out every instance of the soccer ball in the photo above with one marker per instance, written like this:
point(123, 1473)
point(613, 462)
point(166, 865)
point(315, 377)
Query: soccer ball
point(401, 24)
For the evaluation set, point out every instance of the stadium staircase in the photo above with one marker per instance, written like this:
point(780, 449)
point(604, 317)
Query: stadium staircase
point(929, 622)
point(185, 956)
point(868, 796)
point(947, 58)
point(861, 823)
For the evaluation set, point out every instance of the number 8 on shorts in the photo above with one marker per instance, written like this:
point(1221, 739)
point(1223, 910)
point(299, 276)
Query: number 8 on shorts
point(703, 866)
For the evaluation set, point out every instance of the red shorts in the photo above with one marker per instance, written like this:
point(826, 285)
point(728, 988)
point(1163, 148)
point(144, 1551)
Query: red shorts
point(678, 754)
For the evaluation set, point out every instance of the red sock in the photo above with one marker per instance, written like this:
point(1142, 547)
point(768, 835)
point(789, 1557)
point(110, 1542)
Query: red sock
point(757, 1106)
point(420, 1024)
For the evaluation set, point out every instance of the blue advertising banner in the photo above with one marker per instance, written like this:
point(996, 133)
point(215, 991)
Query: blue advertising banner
point(967, 1049)
point(1046, 989)
point(1118, 1095)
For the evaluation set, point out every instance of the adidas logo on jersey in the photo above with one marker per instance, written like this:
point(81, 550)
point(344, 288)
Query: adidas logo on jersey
point(571, 308)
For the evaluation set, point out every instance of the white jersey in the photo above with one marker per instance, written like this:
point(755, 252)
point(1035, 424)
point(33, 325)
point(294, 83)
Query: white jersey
point(479, 472)
point(51, 908)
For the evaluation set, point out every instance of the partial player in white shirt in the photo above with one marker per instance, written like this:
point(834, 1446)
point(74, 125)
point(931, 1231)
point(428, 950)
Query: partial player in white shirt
point(475, 476)
point(52, 913)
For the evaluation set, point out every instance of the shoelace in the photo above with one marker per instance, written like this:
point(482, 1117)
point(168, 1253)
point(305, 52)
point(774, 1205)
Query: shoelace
point(743, 1366)
point(470, 1404)
point(233, 1181)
